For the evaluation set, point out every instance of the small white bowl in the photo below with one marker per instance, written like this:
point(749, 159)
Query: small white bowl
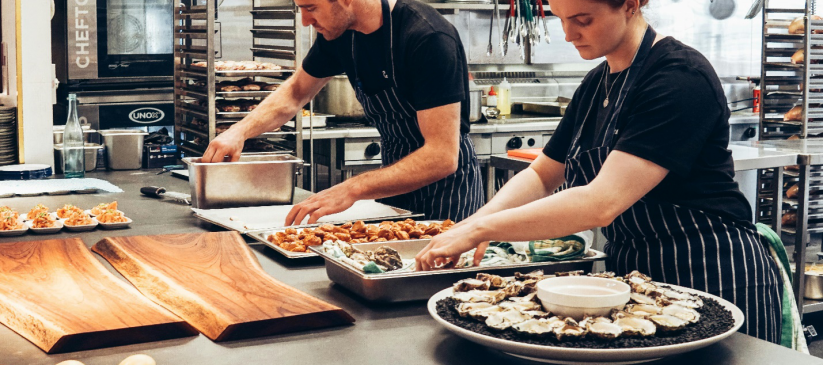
point(58, 225)
point(82, 228)
point(582, 296)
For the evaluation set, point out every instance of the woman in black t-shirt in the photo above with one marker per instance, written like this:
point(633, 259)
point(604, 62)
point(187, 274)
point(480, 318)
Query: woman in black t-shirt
point(643, 152)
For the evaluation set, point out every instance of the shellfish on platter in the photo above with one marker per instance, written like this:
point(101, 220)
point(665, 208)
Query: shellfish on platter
point(479, 310)
point(471, 284)
point(668, 323)
point(636, 326)
point(495, 282)
point(643, 310)
point(571, 330)
point(505, 319)
point(604, 330)
point(475, 296)
point(534, 327)
point(687, 314)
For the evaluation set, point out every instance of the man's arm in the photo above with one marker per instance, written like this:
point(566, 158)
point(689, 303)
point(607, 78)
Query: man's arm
point(274, 111)
point(436, 159)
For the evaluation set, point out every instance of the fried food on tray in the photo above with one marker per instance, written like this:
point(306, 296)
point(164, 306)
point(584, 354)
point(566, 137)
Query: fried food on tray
point(112, 216)
point(358, 232)
point(67, 211)
point(103, 207)
point(43, 220)
point(9, 222)
point(39, 208)
point(6, 211)
point(78, 219)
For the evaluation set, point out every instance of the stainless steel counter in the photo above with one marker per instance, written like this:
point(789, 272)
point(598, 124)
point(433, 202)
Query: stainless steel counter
point(396, 334)
point(500, 126)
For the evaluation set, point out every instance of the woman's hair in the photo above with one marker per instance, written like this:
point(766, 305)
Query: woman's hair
point(619, 3)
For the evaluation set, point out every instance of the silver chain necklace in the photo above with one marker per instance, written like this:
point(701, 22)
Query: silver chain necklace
point(606, 86)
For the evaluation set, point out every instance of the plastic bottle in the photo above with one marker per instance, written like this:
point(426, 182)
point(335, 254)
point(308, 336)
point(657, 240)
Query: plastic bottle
point(73, 152)
point(504, 101)
point(491, 99)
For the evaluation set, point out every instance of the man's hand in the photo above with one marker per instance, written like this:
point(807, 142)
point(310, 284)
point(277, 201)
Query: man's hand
point(225, 148)
point(332, 200)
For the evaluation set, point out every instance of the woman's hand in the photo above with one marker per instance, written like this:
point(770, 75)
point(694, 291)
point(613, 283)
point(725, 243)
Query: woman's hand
point(446, 248)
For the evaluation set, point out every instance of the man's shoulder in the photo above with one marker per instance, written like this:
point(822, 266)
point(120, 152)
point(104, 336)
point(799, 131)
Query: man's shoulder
point(418, 21)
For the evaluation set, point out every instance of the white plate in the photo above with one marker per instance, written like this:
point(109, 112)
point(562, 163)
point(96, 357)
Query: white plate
point(562, 355)
point(83, 228)
point(116, 225)
point(15, 232)
point(58, 225)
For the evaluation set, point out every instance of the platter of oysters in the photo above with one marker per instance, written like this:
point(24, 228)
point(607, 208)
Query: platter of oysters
point(655, 320)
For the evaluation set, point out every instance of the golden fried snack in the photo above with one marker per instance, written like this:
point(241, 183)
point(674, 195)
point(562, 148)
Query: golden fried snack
point(357, 232)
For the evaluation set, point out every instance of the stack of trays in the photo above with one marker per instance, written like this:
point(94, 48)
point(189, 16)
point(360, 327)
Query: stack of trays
point(8, 135)
point(25, 172)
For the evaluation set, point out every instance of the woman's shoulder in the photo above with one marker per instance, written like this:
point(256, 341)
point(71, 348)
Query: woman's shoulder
point(670, 54)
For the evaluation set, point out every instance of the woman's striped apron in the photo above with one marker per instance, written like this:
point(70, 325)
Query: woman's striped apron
point(680, 245)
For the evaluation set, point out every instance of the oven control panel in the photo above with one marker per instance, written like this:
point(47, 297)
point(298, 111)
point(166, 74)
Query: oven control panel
point(362, 150)
point(502, 142)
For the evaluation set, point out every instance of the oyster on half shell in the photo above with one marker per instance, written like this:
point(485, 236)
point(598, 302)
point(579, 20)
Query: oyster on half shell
point(687, 314)
point(604, 330)
point(475, 296)
point(570, 330)
point(635, 326)
point(533, 327)
point(471, 284)
point(668, 323)
point(505, 319)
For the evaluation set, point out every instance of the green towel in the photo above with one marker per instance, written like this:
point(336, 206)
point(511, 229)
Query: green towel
point(792, 335)
point(563, 248)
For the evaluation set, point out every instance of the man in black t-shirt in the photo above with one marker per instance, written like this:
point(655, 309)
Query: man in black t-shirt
point(408, 68)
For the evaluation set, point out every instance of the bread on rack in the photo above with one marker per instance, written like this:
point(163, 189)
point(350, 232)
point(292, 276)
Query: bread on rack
point(229, 106)
point(798, 26)
point(270, 87)
point(789, 219)
point(795, 114)
point(793, 191)
point(227, 86)
point(238, 65)
point(249, 105)
point(248, 84)
point(797, 57)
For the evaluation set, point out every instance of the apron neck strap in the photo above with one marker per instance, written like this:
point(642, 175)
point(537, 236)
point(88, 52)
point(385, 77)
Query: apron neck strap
point(631, 76)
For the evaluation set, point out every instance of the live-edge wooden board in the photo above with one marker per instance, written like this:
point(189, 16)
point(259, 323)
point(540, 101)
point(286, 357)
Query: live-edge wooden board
point(57, 295)
point(214, 282)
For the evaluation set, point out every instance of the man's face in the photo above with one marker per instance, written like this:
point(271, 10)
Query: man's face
point(329, 18)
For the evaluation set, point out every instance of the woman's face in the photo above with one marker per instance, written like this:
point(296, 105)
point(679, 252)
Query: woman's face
point(594, 28)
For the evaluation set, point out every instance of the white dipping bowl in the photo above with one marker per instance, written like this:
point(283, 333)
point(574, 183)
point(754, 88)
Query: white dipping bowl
point(582, 296)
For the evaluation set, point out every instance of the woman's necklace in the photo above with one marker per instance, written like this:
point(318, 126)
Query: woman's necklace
point(609, 89)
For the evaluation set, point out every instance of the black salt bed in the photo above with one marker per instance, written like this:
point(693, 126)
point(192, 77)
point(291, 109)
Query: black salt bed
point(714, 320)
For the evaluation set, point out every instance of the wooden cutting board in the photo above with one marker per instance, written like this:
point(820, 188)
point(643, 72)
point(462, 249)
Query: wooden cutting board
point(214, 282)
point(57, 295)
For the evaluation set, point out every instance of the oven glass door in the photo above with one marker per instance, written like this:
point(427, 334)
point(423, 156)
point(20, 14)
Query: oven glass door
point(135, 38)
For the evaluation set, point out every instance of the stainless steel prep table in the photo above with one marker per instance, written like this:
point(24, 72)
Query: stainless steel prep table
point(404, 333)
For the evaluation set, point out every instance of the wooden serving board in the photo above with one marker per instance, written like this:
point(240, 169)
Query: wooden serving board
point(214, 282)
point(57, 295)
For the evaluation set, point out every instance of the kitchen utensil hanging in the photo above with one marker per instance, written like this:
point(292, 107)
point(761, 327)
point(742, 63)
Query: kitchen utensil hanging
point(525, 23)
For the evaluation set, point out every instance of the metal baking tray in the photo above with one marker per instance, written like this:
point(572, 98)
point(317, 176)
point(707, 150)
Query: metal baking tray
point(554, 107)
point(248, 219)
point(408, 286)
point(262, 237)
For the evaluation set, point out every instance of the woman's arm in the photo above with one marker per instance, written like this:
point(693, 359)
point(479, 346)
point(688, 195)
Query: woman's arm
point(622, 181)
point(538, 181)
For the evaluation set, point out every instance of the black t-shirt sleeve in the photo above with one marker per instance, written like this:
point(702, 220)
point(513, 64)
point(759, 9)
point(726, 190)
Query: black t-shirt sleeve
point(558, 146)
point(322, 61)
point(438, 71)
point(672, 118)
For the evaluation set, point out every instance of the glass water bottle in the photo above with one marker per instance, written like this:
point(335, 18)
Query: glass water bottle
point(73, 144)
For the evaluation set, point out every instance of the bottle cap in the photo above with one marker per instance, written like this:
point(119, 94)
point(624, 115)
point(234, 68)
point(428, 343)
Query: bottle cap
point(492, 92)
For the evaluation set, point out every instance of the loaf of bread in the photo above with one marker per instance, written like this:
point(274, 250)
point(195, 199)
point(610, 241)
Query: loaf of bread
point(789, 219)
point(798, 26)
point(795, 114)
point(270, 87)
point(227, 86)
point(797, 57)
point(793, 191)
